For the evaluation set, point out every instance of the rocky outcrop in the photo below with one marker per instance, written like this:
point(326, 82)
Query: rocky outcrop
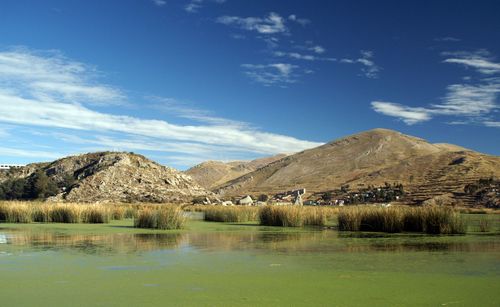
point(119, 177)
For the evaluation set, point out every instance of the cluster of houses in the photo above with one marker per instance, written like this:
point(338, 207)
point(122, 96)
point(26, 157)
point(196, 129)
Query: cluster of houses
point(5, 166)
point(485, 191)
point(340, 197)
point(371, 194)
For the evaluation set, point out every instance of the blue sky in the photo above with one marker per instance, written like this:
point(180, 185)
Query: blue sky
point(183, 81)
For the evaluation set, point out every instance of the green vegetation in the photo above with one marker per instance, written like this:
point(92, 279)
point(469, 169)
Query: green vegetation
point(37, 186)
point(233, 214)
point(162, 217)
point(431, 220)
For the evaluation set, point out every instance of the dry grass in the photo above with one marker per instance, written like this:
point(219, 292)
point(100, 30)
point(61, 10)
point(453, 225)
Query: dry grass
point(294, 216)
point(484, 225)
point(161, 217)
point(231, 214)
point(96, 214)
point(429, 219)
point(38, 212)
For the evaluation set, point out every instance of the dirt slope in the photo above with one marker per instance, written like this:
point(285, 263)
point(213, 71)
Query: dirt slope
point(371, 157)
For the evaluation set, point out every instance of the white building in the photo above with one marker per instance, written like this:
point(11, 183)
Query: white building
point(9, 166)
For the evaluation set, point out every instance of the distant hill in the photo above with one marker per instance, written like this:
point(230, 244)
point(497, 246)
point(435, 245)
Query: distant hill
point(113, 177)
point(372, 158)
point(211, 174)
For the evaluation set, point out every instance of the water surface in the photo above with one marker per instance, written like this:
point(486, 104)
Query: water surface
point(212, 264)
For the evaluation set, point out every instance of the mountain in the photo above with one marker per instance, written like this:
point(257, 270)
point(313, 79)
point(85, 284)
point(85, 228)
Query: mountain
point(114, 177)
point(372, 158)
point(211, 174)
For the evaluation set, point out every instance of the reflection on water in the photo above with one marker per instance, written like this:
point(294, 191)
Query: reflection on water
point(256, 239)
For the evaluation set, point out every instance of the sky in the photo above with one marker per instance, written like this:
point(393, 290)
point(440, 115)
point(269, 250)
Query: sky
point(184, 81)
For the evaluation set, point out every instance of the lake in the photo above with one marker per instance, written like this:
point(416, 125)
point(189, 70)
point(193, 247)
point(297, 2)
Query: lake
point(214, 264)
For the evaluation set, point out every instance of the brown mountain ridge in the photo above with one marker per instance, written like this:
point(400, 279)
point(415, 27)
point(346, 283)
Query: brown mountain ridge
point(372, 158)
point(211, 174)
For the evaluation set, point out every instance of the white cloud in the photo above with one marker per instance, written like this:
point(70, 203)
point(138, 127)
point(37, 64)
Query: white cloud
point(195, 5)
point(369, 68)
point(408, 115)
point(22, 111)
point(50, 75)
point(271, 24)
point(299, 56)
point(301, 21)
point(318, 49)
point(28, 153)
point(22, 104)
point(277, 74)
point(474, 102)
point(478, 60)
point(184, 110)
point(159, 2)
point(469, 100)
point(495, 124)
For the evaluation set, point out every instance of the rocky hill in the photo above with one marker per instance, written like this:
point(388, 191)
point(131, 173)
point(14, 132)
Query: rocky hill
point(114, 177)
point(211, 174)
point(372, 158)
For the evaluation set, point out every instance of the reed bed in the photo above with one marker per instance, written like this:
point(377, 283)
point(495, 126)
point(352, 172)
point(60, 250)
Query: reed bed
point(484, 224)
point(28, 212)
point(431, 220)
point(294, 216)
point(234, 214)
point(96, 214)
point(161, 217)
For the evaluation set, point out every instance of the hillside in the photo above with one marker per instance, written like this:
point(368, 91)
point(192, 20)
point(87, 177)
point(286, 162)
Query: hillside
point(211, 174)
point(114, 177)
point(372, 158)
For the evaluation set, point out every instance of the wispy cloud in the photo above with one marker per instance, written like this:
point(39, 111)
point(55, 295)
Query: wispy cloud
point(271, 24)
point(28, 153)
point(53, 111)
point(159, 2)
point(479, 60)
point(50, 75)
point(469, 100)
point(475, 102)
point(184, 110)
point(369, 68)
point(318, 49)
point(300, 56)
point(195, 5)
point(277, 74)
point(409, 115)
point(301, 21)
